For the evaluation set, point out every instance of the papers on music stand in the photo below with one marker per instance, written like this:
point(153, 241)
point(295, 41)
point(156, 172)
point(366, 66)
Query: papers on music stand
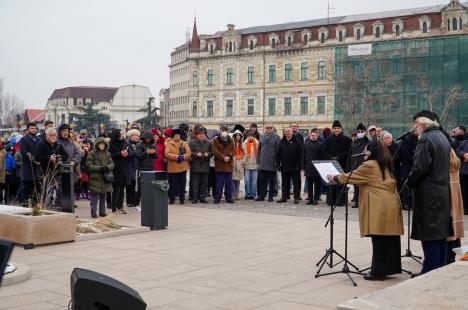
point(325, 168)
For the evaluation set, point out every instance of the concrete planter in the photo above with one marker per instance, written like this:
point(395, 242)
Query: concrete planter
point(50, 227)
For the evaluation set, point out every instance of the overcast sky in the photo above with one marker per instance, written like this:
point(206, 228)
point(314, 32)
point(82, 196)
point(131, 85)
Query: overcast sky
point(48, 44)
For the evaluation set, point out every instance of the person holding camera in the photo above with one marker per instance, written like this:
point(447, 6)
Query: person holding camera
point(178, 155)
point(98, 162)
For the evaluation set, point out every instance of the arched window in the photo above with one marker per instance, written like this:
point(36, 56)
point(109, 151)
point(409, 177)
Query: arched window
point(251, 44)
point(461, 24)
point(273, 42)
point(448, 25)
point(397, 30)
point(322, 37)
point(377, 32)
point(289, 40)
point(454, 24)
point(424, 27)
point(340, 36)
point(306, 39)
point(358, 34)
point(230, 46)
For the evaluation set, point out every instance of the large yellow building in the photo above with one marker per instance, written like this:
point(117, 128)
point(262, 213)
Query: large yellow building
point(285, 73)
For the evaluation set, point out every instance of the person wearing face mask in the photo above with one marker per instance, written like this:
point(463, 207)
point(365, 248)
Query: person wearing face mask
point(223, 153)
point(430, 181)
point(380, 215)
point(357, 146)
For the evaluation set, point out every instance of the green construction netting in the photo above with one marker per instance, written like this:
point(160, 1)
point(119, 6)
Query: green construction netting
point(400, 78)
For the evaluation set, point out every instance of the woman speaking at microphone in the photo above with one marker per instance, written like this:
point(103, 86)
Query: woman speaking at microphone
point(380, 215)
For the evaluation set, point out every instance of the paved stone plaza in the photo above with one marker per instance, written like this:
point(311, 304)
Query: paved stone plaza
point(208, 259)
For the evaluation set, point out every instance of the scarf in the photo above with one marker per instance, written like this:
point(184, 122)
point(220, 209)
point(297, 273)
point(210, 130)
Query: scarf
point(249, 148)
point(239, 151)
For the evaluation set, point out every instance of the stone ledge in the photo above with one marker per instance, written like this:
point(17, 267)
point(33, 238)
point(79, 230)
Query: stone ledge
point(444, 288)
point(21, 274)
point(110, 234)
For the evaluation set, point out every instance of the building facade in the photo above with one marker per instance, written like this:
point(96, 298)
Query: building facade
point(287, 72)
point(123, 104)
point(164, 101)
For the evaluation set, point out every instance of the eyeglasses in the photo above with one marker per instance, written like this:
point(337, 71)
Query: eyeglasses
point(269, 127)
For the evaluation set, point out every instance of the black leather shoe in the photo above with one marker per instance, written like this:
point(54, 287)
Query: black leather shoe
point(315, 202)
point(309, 203)
point(230, 200)
point(259, 199)
point(216, 202)
point(282, 200)
point(296, 201)
point(370, 277)
point(415, 275)
point(194, 202)
point(270, 199)
point(93, 216)
point(102, 214)
point(203, 201)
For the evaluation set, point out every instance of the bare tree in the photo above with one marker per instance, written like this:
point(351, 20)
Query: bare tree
point(452, 96)
point(365, 96)
point(10, 106)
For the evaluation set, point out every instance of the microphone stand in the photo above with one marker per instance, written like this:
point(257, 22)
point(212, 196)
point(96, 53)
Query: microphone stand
point(330, 251)
point(408, 249)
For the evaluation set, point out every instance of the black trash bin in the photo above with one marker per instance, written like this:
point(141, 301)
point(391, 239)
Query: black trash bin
point(154, 200)
point(67, 184)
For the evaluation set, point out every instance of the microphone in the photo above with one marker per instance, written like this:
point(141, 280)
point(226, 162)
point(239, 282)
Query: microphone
point(366, 153)
point(404, 135)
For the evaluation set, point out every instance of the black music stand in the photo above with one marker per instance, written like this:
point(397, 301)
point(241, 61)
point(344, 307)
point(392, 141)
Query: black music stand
point(330, 251)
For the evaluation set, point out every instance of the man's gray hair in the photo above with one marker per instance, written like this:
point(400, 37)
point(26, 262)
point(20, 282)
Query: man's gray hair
point(50, 131)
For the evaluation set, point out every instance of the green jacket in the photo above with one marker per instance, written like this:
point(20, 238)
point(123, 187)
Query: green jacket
point(95, 161)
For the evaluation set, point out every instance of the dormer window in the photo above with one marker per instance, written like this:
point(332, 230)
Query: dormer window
point(397, 27)
point(340, 33)
point(274, 40)
point(289, 38)
point(305, 35)
point(252, 41)
point(378, 29)
point(425, 24)
point(359, 31)
point(323, 35)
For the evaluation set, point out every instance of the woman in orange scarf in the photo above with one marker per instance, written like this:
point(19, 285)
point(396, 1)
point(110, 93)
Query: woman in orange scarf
point(238, 172)
point(251, 166)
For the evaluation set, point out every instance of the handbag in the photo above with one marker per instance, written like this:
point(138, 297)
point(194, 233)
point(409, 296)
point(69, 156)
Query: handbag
point(109, 177)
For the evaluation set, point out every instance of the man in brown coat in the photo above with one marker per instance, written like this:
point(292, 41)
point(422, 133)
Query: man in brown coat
point(223, 152)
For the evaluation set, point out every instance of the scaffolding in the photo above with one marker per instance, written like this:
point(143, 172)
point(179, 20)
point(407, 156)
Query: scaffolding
point(400, 78)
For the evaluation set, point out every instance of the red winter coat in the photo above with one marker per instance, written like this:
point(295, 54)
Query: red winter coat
point(158, 163)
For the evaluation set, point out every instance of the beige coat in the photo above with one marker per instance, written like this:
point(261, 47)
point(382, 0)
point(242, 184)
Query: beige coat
point(172, 151)
point(379, 204)
point(456, 210)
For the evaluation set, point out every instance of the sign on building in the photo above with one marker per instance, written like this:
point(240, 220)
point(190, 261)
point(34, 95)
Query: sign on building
point(359, 49)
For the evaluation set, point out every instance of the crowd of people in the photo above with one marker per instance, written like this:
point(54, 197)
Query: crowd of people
point(422, 171)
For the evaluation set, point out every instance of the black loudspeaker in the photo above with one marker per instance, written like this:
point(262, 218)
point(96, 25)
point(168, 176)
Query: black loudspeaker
point(6, 247)
point(94, 291)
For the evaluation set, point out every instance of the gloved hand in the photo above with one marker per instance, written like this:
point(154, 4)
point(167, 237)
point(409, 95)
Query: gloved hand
point(180, 158)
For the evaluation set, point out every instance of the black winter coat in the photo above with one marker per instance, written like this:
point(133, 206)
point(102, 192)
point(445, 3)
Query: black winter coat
point(337, 148)
point(121, 164)
point(357, 146)
point(408, 146)
point(430, 181)
point(312, 151)
point(44, 151)
point(200, 164)
point(290, 154)
point(145, 162)
point(30, 169)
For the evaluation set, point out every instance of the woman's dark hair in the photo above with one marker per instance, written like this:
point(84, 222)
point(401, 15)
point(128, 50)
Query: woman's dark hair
point(381, 154)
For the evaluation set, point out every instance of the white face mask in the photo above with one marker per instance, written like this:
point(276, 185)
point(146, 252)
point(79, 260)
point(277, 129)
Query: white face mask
point(224, 134)
point(361, 135)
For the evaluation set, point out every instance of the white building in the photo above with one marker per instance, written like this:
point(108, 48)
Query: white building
point(122, 104)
